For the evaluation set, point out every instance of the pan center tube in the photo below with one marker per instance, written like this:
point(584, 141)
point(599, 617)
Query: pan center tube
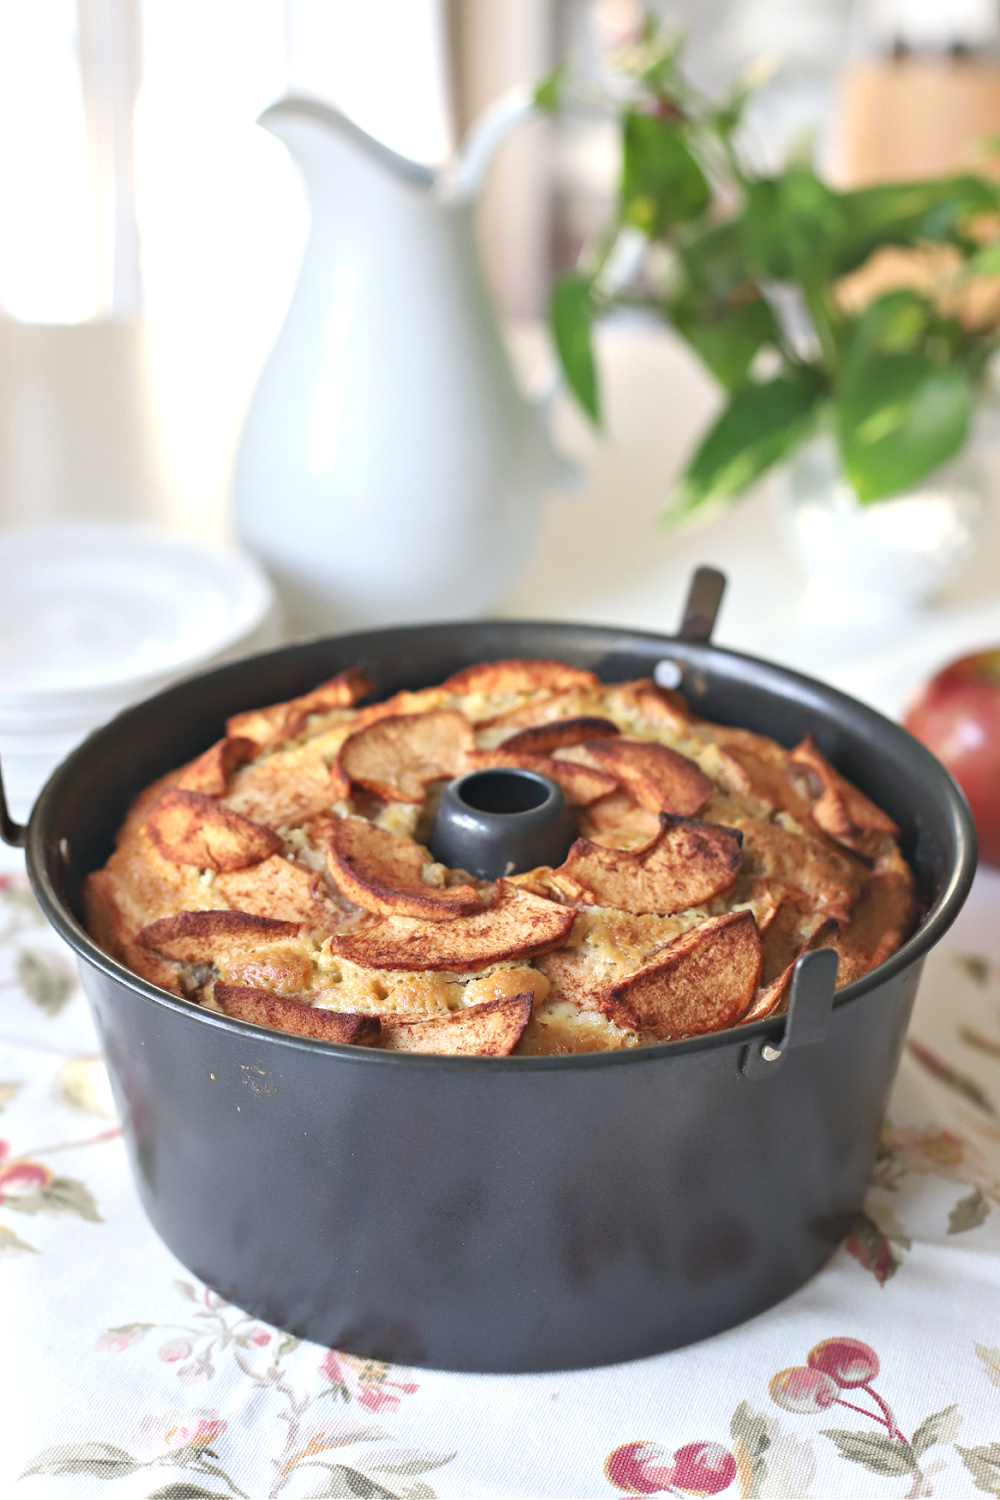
point(502, 821)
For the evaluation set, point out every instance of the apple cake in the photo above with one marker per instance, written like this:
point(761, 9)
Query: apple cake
point(284, 876)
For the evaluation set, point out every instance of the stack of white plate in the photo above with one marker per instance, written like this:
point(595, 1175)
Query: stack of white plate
point(95, 617)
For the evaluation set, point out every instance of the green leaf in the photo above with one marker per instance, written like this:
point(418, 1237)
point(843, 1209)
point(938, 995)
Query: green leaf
point(904, 213)
point(879, 1453)
point(760, 426)
point(46, 980)
point(571, 315)
point(899, 417)
point(103, 1460)
point(984, 1465)
point(985, 262)
point(11, 1244)
point(727, 341)
point(662, 183)
point(183, 1489)
point(791, 226)
point(969, 1212)
point(714, 262)
point(942, 1427)
point(893, 324)
point(548, 93)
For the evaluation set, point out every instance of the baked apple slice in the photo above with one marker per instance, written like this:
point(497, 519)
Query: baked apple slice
point(704, 980)
point(191, 829)
point(492, 1029)
point(282, 1013)
point(397, 757)
point(687, 863)
point(558, 734)
point(517, 924)
point(659, 779)
point(382, 872)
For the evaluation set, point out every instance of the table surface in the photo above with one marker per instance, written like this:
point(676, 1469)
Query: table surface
point(127, 1378)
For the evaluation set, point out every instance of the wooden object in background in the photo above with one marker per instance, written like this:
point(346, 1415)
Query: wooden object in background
point(916, 117)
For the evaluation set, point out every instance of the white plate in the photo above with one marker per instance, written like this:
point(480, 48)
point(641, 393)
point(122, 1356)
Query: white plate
point(90, 613)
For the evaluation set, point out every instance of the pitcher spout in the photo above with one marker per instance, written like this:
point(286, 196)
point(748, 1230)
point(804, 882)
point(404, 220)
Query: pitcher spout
point(311, 129)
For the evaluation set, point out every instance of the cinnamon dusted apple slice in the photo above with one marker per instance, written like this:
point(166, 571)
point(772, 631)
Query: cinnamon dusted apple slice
point(841, 810)
point(190, 829)
point(658, 778)
point(519, 676)
point(210, 773)
point(196, 937)
point(580, 785)
point(703, 981)
point(687, 863)
point(398, 757)
point(542, 739)
point(772, 998)
point(492, 1029)
point(278, 888)
point(618, 821)
point(282, 721)
point(384, 873)
point(644, 705)
point(283, 1013)
point(517, 924)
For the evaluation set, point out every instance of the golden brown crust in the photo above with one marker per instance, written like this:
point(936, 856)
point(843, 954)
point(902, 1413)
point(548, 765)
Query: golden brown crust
point(278, 888)
point(703, 981)
point(285, 789)
point(282, 1013)
point(382, 872)
point(282, 721)
point(398, 757)
point(518, 676)
point(189, 829)
point(686, 864)
point(772, 998)
point(492, 1029)
point(516, 925)
point(659, 778)
point(557, 734)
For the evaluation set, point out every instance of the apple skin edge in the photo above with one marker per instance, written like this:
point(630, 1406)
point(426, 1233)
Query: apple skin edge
point(957, 716)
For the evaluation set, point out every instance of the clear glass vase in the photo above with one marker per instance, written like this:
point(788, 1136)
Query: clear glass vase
point(890, 554)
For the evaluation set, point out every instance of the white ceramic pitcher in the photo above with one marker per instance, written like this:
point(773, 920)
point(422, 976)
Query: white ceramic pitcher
point(390, 468)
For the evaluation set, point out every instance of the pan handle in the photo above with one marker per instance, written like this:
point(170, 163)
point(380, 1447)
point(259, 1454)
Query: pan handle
point(14, 834)
point(701, 607)
point(813, 983)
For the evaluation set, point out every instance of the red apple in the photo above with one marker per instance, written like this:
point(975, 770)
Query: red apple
point(958, 717)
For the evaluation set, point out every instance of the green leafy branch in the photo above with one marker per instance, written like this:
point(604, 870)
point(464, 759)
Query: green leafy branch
point(753, 272)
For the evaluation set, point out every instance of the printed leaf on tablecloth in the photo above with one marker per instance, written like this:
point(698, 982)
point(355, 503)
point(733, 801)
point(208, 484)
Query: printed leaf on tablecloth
point(976, 966)
point(984, 1466)
point(10, 1243)
point(8, 1093)
point(103, 1460)
point(408, 1461)
point(879, 1453)
point(880, 1253)
point(748, 1430)
point(183, 1490)
point(969, 1212)
point(346, 1484)
point(63, 1195)
point(287, 1344)
point(991, 1362)
point(47, 980)
point(960, 1083)
point(942, 1427)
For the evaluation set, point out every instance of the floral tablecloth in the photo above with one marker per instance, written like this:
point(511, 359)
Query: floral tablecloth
point(123, 1377)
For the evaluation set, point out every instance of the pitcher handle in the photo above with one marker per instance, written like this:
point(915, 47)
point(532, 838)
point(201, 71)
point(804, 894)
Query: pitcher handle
point(14, 834)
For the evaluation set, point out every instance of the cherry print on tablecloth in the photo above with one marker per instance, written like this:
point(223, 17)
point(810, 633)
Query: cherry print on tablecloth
point(647, 1469)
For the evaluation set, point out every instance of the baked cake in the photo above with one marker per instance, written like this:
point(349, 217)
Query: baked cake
point(283, 877)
